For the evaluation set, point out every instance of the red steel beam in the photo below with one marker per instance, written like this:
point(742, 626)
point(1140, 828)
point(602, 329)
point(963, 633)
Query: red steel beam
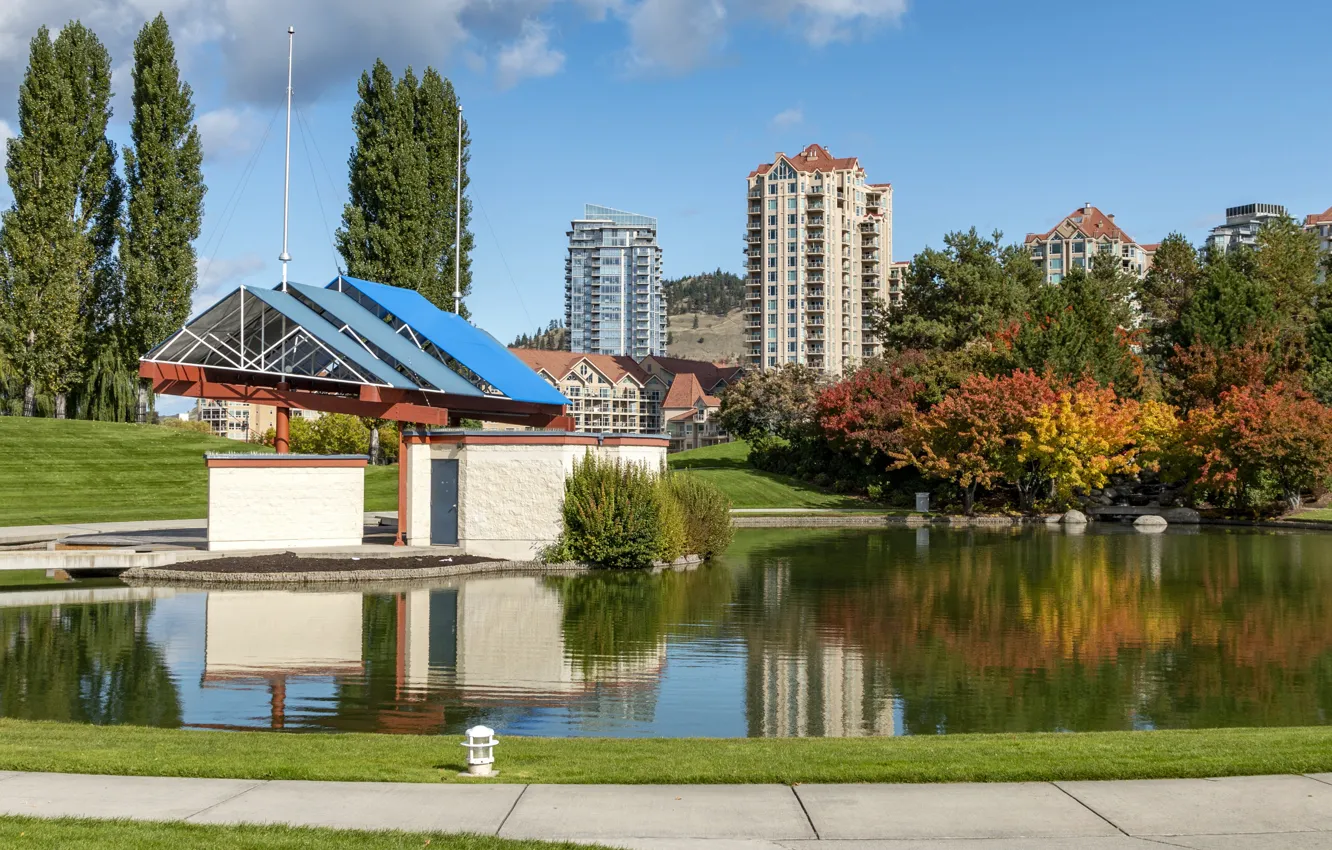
point(375, 402)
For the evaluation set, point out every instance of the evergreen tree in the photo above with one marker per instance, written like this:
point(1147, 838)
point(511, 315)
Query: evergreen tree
point(56, 239)
point(398, 227)
point(163, 169)
point(1231, 307)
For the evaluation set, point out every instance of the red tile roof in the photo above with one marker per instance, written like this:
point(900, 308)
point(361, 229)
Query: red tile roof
point(684, 392)
point(709, 374)
point(812, 158)
point(1324, 217)
point(561, 363)
point(680, 417)
point(1094, 225)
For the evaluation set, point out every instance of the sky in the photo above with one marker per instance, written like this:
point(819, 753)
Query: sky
point(999, 115)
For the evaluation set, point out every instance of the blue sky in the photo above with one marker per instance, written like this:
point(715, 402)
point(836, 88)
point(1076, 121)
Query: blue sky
point(995, 114)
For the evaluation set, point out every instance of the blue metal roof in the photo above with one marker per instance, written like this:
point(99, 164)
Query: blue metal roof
point(372, 329)
point(331, 337)
point(470, 346)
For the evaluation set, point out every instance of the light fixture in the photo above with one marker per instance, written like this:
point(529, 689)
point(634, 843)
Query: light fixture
point(480, 744)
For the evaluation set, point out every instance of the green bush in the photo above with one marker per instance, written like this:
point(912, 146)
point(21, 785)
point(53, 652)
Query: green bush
point(705, 512)
point(626, 516)
point(192, 425)
point(612, 515)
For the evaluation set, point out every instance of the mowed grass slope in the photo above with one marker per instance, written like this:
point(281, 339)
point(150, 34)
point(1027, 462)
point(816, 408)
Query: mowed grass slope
point(726, 465)
point(58, 471)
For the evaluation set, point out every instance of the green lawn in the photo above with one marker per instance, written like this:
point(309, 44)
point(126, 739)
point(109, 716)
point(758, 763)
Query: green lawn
point(54, 471)
point(114, 834)
point(76, 748)
point(726, 465)
point(1311, 515)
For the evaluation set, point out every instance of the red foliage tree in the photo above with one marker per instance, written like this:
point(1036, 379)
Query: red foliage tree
point(865, 412)
point(1259, 443)
point(973, 437)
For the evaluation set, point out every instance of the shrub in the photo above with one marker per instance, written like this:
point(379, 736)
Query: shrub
point(705, 513)
point(192, 425)
point(612, 515)
point(673, 538)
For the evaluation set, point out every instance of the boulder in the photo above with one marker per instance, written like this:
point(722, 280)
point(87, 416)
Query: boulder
point(1074, 518)
point(1150, 523)
point(1181, 515)
point(1052, 519)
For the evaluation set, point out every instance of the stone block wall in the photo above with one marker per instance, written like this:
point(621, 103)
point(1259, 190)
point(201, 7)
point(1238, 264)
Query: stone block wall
point(285, 501)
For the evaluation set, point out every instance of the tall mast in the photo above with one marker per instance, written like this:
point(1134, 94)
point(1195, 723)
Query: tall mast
point(457, 227)
point(286, 178)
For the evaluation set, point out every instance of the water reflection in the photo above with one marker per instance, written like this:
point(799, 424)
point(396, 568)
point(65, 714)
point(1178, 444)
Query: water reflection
point(793, 632)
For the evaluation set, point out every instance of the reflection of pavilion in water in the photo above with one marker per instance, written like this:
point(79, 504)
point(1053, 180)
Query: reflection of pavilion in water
point(803, 682)
point(493, 643)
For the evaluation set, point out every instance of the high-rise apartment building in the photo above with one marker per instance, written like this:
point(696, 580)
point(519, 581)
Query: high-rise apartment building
point(1083, 234)
point(1242, 225)
point(819, 241)
point(612, 285)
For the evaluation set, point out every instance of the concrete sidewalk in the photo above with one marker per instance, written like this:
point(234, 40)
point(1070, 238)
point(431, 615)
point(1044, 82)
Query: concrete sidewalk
point(1253, 813)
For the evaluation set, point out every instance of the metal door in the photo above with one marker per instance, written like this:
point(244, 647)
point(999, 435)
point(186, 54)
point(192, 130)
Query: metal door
point(443, 502)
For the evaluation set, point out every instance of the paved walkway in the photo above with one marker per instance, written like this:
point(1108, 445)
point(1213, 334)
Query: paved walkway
point(1253, 813)
point(137, 531)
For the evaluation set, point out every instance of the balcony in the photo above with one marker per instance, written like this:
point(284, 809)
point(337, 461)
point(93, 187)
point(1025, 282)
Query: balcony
point(814, 248)
point(814, 205)
point(817, 189)
point(755, 193)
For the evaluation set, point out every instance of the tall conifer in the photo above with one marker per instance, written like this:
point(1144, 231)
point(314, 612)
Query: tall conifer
point(163, 170)
point(56, 238)
point(398, 226)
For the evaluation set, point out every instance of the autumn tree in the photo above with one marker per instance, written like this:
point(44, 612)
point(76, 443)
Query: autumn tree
point(1077, 442)
point(973, 438)
point(865, 412)
point(1261, 444)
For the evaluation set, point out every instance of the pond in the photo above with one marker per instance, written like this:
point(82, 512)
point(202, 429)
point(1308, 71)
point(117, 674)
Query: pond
point(792, 632)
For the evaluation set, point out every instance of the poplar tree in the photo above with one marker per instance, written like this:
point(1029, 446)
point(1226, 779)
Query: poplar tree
point(163, 170)
point(56, 238)
point(399, 225)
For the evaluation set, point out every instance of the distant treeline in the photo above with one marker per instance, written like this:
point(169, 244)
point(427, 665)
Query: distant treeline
point(715, 292)
point(555, 337)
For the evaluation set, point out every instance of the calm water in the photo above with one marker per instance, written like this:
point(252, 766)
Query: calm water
point(794, 632)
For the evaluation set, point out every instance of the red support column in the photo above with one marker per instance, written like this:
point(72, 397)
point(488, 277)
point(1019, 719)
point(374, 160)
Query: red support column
point(282, 431)
point(400, 539)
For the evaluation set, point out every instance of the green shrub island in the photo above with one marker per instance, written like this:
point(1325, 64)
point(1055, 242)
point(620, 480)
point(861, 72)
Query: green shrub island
point(621, 515)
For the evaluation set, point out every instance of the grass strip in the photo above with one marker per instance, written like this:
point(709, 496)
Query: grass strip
point(38, 833)
point(77, 748)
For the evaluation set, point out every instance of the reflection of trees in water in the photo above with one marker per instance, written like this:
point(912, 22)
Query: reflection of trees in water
point(86, 664)
point(998, 630)
point(614, 618)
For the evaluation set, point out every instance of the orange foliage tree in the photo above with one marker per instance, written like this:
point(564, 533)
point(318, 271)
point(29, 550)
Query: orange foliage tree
point(1260, 444)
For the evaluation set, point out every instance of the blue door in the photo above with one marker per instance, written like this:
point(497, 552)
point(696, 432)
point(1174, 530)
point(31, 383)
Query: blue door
point(443, 502)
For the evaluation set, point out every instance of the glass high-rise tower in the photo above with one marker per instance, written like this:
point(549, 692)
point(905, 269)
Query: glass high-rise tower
point(613, 302)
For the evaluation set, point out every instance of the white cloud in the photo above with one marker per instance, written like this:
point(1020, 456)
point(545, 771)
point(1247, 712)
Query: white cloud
point(229, 132)
point(220, 275)
point(675, 35)
point(529, 56)
point(788, 118)
point(6, 131)
point(825, 21)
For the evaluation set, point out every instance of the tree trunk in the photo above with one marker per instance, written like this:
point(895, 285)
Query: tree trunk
point(141, 405)
point(59, 405)
point(968, 499)
point(29, 399)
point(374, 446)
point(1294, 499)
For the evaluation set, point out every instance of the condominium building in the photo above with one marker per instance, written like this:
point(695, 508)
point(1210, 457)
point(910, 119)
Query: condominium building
point(1083, 234)
point(897, 272)
point(613, 302)
point(818, 241)
point(1242, 226)
point(241, 420)
point(608, 393)
point(1321, 223)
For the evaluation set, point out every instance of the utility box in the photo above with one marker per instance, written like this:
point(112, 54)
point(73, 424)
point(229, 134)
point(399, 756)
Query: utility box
point(922, 503)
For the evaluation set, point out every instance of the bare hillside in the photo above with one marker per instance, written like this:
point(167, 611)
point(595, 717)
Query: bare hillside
point(717, 338)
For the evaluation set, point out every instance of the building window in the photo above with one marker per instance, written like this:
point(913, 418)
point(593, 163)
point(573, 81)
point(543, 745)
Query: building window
point(772, 304)
point(791, 275)
point(791, 247)
point(772, 348)
point(790, 333)
point(790, 303)
point(772, 235)
point(772, 276)
point(791, 290)
point(1056, 247)
point(772, 290)
point(1079, 248)
point(772, 333)
point(772, 219)
point(793, 233)
point(772, 318)
point(1056, 264)
point(772, 361)
point(772, 205)
point(791, 318)
point(772, 262)
point(1079, 263)
point(790, 219)
point(1055, 278)
point(790, 346)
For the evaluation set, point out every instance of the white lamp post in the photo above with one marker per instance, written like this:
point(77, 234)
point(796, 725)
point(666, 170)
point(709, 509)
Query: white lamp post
point(480, 744)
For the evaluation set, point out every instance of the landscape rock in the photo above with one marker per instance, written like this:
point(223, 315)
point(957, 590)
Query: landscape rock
point(1150, 523)
point(1181, 515)
point(1074, 518)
